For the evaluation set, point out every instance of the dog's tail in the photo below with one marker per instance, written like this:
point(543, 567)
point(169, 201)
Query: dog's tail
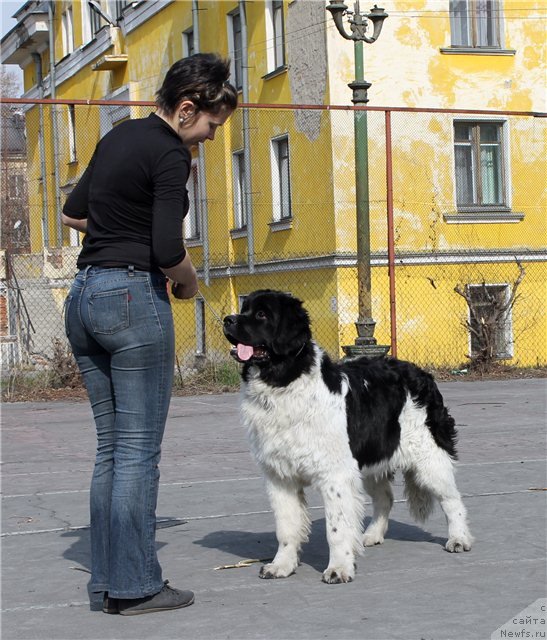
point(441, 424)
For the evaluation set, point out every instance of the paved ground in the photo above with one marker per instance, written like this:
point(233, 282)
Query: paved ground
point(409, 588)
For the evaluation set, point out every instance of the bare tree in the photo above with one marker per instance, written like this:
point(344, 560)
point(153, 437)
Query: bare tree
point(9, 85)
point(488, 312)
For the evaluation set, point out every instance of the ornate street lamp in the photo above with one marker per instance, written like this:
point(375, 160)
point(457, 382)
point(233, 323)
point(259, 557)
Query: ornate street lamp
point(365, 343)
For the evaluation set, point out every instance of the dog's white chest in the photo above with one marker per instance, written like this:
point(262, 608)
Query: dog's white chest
point(291, 428)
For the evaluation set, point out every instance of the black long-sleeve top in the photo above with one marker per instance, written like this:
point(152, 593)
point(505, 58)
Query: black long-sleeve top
point(133, 194)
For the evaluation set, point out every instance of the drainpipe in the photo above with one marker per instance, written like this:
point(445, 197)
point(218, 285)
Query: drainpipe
point(55, 135)
point(41, 143)
point(204, 210)
point(246, 136)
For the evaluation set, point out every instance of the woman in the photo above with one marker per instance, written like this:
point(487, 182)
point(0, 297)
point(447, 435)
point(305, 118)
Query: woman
point(130, 203)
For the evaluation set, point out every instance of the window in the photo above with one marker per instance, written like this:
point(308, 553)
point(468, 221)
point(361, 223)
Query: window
point(67, 31)
point(275, 35)
point(240, 202)
point(95, 20)
point(72, 133)
point(188, 43)
point(490, 320)
point(117, 7)
point(200, 327)
point(475, 23)
point(281, 179)
point(479, 162)
point(192, 221)
point(236, 49)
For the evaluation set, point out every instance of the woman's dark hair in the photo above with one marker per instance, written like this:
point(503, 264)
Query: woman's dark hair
point(201, 78)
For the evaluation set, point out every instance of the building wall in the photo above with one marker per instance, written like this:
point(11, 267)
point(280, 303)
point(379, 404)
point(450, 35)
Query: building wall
point(411, 65)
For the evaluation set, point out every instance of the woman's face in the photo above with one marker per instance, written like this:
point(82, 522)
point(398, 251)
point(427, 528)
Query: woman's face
point(198, 126)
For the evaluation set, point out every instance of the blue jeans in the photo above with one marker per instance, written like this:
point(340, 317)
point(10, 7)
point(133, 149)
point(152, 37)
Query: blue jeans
point(120, 326)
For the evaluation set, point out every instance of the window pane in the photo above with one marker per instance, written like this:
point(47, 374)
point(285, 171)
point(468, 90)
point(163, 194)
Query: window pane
point(491, 175)
point(242, 204)
point(200, 326)
point(285, 191)
point(489, 132)
point(278, 34)
point(462, 132)
point(459, 21)
point(284, 175)
point(238, 61)
point(464, 175)
point(487, 23)
point(240, 209)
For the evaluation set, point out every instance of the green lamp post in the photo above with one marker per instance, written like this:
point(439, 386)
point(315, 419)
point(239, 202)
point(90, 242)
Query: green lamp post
point(365, 343)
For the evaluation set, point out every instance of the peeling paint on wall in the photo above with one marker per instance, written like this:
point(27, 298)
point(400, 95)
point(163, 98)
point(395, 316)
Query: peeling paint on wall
point(308, 63)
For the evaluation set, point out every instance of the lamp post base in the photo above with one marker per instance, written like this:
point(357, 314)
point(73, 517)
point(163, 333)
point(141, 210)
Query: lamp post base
point(368, 350)
point(365, 343)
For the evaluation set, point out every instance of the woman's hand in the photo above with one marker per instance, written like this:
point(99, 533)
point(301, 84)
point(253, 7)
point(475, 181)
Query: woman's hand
point(183, 291)
point(185, 279)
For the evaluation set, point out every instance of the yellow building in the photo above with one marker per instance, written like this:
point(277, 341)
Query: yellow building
point(273, 198)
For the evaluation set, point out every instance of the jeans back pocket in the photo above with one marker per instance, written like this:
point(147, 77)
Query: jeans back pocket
point(109, 311)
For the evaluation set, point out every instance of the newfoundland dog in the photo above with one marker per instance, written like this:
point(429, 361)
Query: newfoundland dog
point(339, 427)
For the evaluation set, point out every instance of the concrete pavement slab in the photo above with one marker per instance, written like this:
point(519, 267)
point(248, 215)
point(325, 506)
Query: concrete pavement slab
point(213, 511)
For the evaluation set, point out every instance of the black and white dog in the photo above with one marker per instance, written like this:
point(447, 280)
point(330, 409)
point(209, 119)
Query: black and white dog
point(337, 427)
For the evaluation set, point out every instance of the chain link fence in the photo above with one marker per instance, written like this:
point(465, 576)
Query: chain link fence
point(273, 206)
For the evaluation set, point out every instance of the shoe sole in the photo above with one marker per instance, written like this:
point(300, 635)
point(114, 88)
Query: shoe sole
point(111, 610)
point(138, 612)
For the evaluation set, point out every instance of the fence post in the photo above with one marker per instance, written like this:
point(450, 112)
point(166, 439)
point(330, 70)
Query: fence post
point(390, 237)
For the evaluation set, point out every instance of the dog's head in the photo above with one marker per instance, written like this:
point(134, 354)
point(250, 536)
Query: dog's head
point(271, 326)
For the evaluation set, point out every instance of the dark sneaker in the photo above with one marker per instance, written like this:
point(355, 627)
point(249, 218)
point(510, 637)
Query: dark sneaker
point(168, 598)
point(110, 605)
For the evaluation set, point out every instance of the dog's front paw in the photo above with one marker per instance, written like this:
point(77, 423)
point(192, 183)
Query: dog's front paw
point(457, 544)
point(338, 575)
point(273, 570)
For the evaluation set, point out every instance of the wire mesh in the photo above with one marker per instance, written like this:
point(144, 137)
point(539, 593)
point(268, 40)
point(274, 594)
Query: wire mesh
point(290, 224)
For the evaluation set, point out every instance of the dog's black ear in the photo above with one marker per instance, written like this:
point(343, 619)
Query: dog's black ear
point(293, 329)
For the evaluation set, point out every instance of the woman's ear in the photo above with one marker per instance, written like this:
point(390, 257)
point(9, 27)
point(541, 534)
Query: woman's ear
point(186, 109)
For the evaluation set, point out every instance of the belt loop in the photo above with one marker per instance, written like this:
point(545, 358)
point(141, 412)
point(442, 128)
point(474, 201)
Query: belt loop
point(86, 271)
point(131, 270)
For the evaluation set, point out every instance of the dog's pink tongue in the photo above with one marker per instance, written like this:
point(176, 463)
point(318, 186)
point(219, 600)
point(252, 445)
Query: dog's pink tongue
point(244, 351)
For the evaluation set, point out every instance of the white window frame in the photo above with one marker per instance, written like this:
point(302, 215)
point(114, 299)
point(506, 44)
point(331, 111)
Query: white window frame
point(192, 221)
point(236, 65)
point(505, 162)
point(280, 210)
point(508, 321)
point(275, 35)
point(67, 31)
point(240, 204)
point(72, 155)
point(188, 47)
point(87, 34)
point(201, 332)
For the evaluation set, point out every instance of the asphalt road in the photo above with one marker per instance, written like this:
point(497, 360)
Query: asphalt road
point(213, 511)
